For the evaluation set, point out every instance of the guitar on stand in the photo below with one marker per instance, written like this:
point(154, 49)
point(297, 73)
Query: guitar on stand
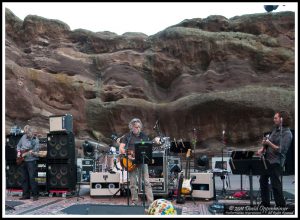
point(186, 183)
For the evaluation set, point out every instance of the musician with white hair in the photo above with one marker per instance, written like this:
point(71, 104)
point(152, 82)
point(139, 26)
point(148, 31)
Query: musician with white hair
point(127, 147)
point(27, 156)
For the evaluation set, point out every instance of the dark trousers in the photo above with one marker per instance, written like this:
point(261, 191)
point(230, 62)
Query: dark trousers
point(274, 175)
point(29, 173)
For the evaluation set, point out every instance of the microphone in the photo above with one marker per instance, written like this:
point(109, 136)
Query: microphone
point(223, 136)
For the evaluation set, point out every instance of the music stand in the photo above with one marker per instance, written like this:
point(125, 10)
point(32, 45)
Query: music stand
point(143, 155)
point(249, 166)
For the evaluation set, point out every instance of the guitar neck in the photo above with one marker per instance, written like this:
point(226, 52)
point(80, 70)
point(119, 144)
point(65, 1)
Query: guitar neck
point(187, 167)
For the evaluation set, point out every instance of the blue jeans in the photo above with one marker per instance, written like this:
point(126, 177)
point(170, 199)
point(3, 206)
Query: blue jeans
point(29, 173)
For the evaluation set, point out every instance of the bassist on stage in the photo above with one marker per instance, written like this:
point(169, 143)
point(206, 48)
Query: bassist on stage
point(27, 157)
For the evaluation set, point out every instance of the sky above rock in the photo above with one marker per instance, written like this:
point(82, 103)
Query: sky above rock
point(148, 18)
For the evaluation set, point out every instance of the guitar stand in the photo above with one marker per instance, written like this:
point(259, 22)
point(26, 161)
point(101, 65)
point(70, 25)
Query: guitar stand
point(191, 194)
point(122, 188)
point(79, 184)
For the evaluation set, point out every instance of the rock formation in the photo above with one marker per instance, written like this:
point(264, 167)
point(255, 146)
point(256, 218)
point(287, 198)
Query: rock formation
point(210, 74)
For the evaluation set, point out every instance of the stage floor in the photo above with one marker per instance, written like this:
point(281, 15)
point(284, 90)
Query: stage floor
point(57, 205)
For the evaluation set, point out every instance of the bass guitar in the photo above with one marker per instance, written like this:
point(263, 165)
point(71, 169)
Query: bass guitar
point(24, 153)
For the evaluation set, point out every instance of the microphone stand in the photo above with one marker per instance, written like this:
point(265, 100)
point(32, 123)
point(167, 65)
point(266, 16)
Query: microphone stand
point(222, 173)
point(143, 177)
point(195, 143)
point(217, 207)
point(127, 144)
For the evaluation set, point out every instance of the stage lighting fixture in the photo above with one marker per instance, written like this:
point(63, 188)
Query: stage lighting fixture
point(270, 8)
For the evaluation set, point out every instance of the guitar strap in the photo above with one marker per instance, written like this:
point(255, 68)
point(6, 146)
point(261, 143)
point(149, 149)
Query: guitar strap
point(128, 140)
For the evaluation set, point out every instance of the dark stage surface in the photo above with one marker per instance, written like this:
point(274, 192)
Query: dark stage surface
point(87, 205)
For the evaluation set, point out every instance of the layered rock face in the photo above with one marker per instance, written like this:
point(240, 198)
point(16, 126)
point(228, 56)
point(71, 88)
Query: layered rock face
point(198, 78)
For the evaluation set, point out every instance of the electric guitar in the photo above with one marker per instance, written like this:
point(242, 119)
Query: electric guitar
point(186, 184)
point(127, 163)
point(24, 153)
point(265, 146)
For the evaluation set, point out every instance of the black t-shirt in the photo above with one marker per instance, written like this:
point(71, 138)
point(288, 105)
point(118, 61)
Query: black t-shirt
point(131, 138)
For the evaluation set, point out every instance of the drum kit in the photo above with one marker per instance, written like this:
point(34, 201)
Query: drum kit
point(107, 157)
point(161, 144)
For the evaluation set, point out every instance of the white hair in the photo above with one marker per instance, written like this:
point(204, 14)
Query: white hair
point(133, 121)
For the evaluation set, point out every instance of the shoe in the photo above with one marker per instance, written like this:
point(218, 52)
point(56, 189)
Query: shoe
point(111, 171)
point(24, 197)
point(35, 198)
point(133, 204)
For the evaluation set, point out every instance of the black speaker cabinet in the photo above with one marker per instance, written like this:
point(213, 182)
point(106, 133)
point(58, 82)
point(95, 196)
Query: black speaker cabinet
point(289, 167)
point(60, 145)
point(11, 146)
point(61, 123)
point(61, 176)
point(13, 176)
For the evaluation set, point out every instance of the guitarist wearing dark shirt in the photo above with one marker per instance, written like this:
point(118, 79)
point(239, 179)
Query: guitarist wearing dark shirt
point(127, 147)
point(275, 148)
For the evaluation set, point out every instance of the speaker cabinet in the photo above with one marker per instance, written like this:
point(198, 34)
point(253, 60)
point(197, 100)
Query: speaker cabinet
point(289, 166)
point(13, 176)
point(61, 176)
point(61, 123)
point(60, 145)
point(11, 146)
point(203, 185)
point(104, 184)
